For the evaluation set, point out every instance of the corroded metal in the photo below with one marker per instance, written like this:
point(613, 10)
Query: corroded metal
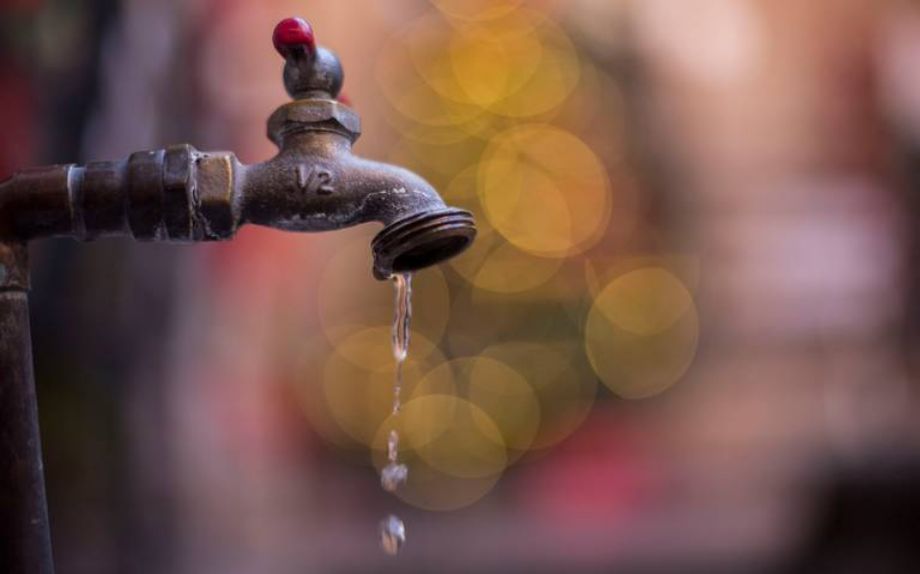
point(178, 193)
point(25, 545)
point(313, 115)
point(314, 183)
point(14, 266)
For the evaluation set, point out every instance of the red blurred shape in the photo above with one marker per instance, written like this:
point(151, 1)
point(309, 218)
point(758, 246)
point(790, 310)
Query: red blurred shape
point(17, 112)
point(27, 5)
point(601, 474)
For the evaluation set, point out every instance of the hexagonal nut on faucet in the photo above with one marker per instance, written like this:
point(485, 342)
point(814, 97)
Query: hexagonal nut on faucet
point(313, 115)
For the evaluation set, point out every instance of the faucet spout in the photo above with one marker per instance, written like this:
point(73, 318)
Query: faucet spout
point(422, 240)
point(420, 230)
point(315, 183)
point(337, 189)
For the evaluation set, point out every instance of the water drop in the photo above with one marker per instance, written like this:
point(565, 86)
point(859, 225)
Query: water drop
point(402, 316)
point(393, 475)
point(392, 445)
point(392, 534)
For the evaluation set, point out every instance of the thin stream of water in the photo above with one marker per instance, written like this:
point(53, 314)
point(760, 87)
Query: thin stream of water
point(401, 321)
point(392, 529)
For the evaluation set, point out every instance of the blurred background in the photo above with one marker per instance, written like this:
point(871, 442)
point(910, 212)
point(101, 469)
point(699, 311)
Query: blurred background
point(684, 341)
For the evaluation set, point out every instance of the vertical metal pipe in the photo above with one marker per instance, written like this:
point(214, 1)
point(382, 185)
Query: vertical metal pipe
point(25, 539)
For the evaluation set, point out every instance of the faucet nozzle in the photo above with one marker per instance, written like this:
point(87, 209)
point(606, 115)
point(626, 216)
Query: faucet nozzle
point(422, 240)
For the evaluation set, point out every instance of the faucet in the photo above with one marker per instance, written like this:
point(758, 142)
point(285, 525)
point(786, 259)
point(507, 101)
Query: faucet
point(314, 183)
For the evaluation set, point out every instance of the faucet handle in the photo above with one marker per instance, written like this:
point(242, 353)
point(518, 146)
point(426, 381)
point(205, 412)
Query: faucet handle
point(310, 71)
point(294, 34)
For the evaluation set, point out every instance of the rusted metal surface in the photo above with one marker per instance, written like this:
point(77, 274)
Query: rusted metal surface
point(178, 193)
point(25, 541)
point(14, 266)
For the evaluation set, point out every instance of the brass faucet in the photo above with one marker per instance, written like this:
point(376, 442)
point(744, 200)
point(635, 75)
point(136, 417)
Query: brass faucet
point(314, 183)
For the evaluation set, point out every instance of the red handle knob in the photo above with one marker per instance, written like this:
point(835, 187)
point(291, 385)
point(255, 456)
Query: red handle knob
point(291, 33)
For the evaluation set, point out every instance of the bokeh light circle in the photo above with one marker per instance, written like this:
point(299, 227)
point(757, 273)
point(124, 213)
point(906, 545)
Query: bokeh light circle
point(441, 72)
point(491, 263)
point(491, 64)
point(498, 390)
point(413, 72)
point(544, 190)
point(431, 489)
point(645, 301)
point(565, 393)
point(640, 343)
point(358, 378)
point(454, 451)
point(554, 78)
point(351, 300)
point(476, 9)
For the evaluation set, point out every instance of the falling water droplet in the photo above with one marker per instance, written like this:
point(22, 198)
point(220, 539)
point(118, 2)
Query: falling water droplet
point(392, 529)
point(392, 534)
point(401, 321)
point(392, 445)
point(393, 475)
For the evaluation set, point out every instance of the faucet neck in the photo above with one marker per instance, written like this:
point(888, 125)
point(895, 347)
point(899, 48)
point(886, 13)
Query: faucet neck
point(310, 116)
point(316, 141)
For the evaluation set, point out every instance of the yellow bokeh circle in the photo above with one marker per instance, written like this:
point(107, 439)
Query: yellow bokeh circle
point(351, 300)
point(476, 9)
point(454, 451)
point(564, 392)
point(498, 390)
point(491, 64)
point(491, 263)
point(645, 301)
point(441, 72)
point(358, 378)
point(544, 190)
point(474, 64)
point(642, 332)
point(552, 80)
point(431, 489)
point(414, 72)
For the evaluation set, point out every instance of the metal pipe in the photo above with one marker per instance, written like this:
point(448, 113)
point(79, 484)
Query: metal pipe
point(182, 194)
point(25, 539)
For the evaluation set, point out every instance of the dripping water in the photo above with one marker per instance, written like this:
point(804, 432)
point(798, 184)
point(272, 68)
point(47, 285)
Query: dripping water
point(401, 319)
point(392, 534)
point(392, 529)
